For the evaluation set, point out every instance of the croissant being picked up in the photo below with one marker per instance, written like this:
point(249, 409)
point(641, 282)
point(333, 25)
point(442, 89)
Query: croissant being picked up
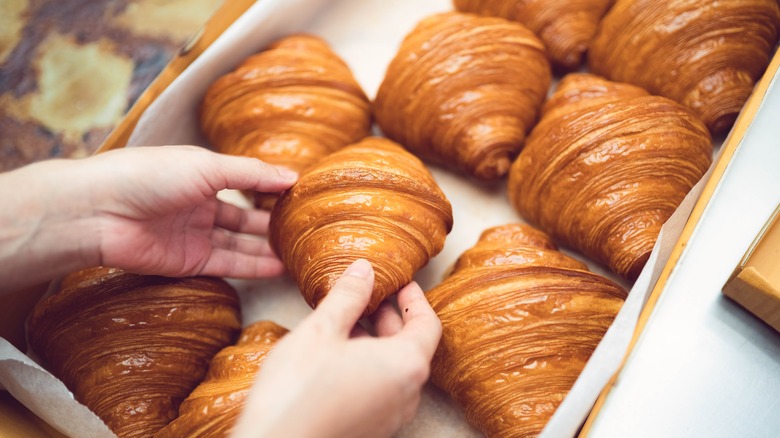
point(289, 105)
point(132, 347)
point(704, 54)
point(606, 166)
point(372, 200)
point(464, 90)
point(519, 322)
point(212, 409)
point(565, 26)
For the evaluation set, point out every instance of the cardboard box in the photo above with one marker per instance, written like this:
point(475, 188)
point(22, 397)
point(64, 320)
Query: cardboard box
point(755, 283)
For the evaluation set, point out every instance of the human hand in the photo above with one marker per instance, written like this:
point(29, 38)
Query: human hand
point(158, 212)
point(150, 210)
point(320, 382)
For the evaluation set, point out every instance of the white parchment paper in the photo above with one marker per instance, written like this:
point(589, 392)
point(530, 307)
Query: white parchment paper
point(366, 34)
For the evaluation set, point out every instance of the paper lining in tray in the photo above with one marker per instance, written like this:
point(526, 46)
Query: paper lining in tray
point(366, 34)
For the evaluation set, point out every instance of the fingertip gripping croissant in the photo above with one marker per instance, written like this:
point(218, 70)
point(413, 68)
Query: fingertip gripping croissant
point(213, 408)
point(566, 27)
point(463, 90)
point(289, 105)
point(371, 200)
point(519, 322)
point(704, 54)
point(132, 347)
point(606, 166)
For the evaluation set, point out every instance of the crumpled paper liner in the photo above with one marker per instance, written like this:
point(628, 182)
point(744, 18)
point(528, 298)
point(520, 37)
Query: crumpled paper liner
point(366, 33)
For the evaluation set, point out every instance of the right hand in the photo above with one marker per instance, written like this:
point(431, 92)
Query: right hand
point(320, 382)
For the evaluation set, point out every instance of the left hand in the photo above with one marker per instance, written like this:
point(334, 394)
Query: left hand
point(149, 210)
point(160, 214)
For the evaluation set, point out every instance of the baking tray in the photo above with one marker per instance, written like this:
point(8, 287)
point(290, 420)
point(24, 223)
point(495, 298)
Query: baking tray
point(381, 28)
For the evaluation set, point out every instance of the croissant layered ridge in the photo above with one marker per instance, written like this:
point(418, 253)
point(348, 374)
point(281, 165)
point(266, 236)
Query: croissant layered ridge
point(606, 166)
point(704, 54)
point(519, 322)
point(463, 91)
point(132, 347)
point(372, 200)
point(288, 105)
point(213, 408)
point(566, 27)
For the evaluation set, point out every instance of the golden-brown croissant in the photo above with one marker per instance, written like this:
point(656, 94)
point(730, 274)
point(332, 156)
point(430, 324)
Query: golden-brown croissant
point(464, 90)
point(519, 322)
point(565, 26)
point(132, 347)
point(289, 105)
point(605, 168)
point(371, 200)
point(214, 406)
point(703, 54)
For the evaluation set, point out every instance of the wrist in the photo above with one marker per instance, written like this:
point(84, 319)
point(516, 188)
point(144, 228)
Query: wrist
point(46, 228)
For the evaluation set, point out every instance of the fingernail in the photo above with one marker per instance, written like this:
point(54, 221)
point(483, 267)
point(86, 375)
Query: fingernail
point(287, 174)
point(360, 268)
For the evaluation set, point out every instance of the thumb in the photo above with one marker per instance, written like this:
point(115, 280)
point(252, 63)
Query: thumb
point(344, 304)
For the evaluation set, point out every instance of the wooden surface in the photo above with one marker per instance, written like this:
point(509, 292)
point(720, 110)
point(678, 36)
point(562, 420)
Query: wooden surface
point(70, 70)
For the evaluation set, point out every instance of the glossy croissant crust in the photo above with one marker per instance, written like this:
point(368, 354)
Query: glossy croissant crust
point(132, 347)
point(464, 90)
point(519, 322)
point(212, 409)
point(606, 166)
point(704, 54)
point(289, 105)
point(371, 200)
point(566, 27)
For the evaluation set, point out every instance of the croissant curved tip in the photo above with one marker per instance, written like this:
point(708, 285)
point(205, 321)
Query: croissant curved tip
point(723, 123)
point(636, 268)
point(494, 169)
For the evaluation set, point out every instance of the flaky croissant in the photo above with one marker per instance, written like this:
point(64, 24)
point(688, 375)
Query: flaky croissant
point(371, 200)
point(289, 105)
point(566, 27)
point(704, 54)
point(464, 90)
point(213, 408)
point(519, 322)
point(132, 347)
point(606, 166)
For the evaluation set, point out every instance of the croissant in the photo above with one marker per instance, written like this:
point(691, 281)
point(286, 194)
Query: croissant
point(519, 322)
point(566, 27)
point(214, 406)
point(371, 200)
point(463, 91)
point(704, 54)
point(132, 347)
point(289, 105)
point(605, 168)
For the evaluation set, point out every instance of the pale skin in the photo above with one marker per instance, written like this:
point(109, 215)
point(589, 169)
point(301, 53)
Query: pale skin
point(154, 210)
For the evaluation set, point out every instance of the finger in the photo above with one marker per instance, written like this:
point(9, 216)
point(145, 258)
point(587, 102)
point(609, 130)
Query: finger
point(386, 319)
point(358, 331)
point(225, 263)
point(245, 173)
point(241, 220)
point(245, 245)
point(346, 301)
point(421, 324)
